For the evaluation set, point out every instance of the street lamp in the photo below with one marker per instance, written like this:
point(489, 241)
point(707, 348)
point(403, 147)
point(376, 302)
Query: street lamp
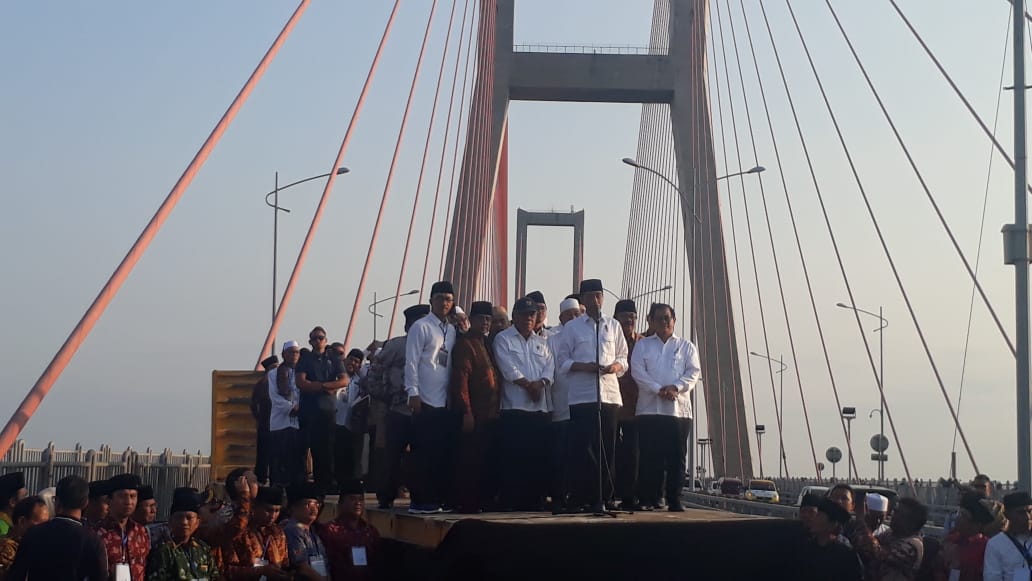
point(614, 295)
point(849, 414)
point(276, 209)
point(635, 164)
point(760, 430)
point(881, 377)
point(703, 444)
point(653, 291)
point(781, 414)
point(372, 308)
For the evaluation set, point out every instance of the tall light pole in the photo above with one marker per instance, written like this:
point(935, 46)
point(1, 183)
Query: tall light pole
point(276, 209)
point(781, 413)
point(703, 444)
point(849, 414)
point(653, 291)
point(376, 315)
point(881, 376)
point(760, 430)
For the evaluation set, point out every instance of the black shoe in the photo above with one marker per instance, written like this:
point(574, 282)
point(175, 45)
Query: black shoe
point(675, 507)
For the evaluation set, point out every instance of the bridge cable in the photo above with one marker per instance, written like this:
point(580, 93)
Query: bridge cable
point(824, 212)
point(981, 226)
point(423, 163)
point(773, 248)
point(795, 231)
point(734, 236)
point(924, 185)
point(390, 176)
point(444, 144)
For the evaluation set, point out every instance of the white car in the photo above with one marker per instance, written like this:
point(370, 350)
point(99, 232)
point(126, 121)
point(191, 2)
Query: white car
point(762, 491)
point(818, 490)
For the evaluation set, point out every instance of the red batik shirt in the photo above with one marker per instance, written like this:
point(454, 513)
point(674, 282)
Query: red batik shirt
point(267, 543)
point(340, 537)
point(130, 546)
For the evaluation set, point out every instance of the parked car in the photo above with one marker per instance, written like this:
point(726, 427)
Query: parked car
point(762, 491)
point(818, 490)
point(731, 487)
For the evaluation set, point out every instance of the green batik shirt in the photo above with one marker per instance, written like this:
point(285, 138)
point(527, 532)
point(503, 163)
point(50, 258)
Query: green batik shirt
point(185, 562)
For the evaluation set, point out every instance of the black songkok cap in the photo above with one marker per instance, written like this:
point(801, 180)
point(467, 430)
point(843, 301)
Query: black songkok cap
point(11, 483)
point(979, 513)
point(415, 313)
point(537, 297)
point(481, 308)
point(1017, 500)
point(835, 512)
point(124, 482)
point(356, 354)
point(185, 500)
point(269, 362)
point(591, 285)
point(303, 491)
point(811, 499)
point(146, 492)
point(443, 286)
point(524, 305)
point(99, 488)
point(573, 296)
point(354, 486)
point(271, 495)
point(625, 306)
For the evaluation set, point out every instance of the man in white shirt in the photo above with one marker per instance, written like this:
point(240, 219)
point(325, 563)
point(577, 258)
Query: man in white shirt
point(286, 461)
point(666, 368)
point(1008, 555)
point(427, 374)
point(527, 368)
point(349, 443)
point(592, 355)
point(569, 310)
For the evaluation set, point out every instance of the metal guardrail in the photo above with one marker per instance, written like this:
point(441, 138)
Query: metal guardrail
point(585, 49)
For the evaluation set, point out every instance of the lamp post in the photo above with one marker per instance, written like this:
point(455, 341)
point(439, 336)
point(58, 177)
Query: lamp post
point(611, 293)
point(849, 414)
point(760, 430)
point(881, 377)
point(376, 315)
point(781, 409)
point(703, 444)
point(633, 163)
point(276, 209)
point(653, 291)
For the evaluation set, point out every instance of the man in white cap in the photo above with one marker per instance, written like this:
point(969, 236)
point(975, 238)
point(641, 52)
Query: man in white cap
point(876, 513)
point(284, 427)
point(569, 310)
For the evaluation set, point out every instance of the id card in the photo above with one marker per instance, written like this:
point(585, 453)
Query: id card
point(122, 572)
point(358, 557)
point(259, 563)
point(442, 357)
point(318, 564)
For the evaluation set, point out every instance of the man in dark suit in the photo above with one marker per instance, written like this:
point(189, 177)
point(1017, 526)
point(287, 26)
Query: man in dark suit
point(473, 393)
point(62, 549)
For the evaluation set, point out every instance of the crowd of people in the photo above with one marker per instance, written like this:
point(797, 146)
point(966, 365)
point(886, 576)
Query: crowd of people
point(483, 410)
point(865, 537)
point(110, 530)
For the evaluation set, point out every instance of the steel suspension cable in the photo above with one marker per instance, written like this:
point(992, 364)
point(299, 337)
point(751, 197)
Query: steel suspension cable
point(773, 248)
point(444, 145)
point(32, 400)
point(422, 167)
point(895, 273)
point(831, 231)
point(795, 231)
point(390, 176)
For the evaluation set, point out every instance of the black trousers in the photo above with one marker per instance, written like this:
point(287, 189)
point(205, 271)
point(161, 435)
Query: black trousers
point(433, 450)
point(398, 437)
point(345, 462)
point(525, 457)
point(319, 429)
point(560, 462)
point(262, 455)
point(664, 444)
point(627, 461)
point(585, 456)
point(286, 457)
point(477, 466)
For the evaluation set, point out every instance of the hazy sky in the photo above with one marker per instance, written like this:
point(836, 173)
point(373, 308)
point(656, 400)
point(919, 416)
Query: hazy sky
point(104, 104)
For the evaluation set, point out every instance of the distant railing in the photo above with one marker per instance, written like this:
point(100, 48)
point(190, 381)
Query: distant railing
point(164, 470)
point(584, 49)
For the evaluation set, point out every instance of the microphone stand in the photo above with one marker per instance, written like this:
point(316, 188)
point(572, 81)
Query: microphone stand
point(599, 509)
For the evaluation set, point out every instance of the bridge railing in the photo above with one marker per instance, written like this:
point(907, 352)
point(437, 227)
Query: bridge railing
point(165, 470)
point(930, 492)
point(583, 49)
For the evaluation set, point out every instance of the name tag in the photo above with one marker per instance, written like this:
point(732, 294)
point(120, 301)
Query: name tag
point(318, 564)
point(122, 572)
point(358, 557)
point(258, 563)
point(442, 357)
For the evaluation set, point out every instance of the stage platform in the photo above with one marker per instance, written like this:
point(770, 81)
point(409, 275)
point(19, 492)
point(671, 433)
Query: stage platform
point(696, 544)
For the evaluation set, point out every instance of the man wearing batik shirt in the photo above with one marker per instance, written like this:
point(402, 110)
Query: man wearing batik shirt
point(126, 541)
point(897, 554)
point(305, 550)
point(351, 542)
point(627, 456)
point(182, 557)
point(260, 551)
point(428, 359)
point(12, 490)
point(221, 525)
point(30, 511)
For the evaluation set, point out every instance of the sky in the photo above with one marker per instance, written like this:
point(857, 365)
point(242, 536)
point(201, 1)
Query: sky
point(104, 105)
